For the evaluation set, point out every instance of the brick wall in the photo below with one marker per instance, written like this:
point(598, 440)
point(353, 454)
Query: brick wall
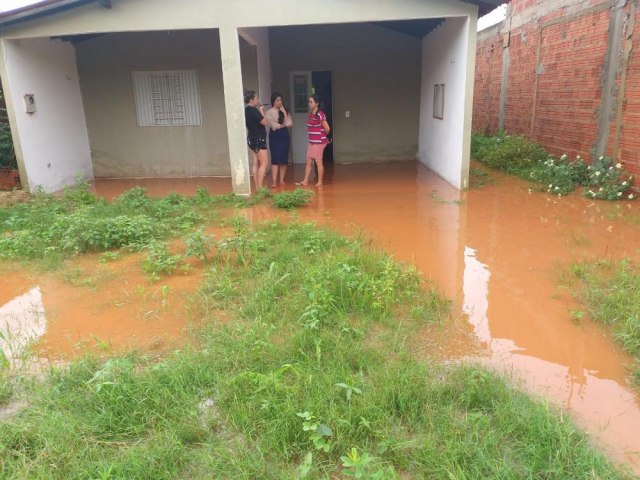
point(557, 52)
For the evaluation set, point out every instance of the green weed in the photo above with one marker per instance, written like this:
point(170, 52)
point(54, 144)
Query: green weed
point(291, 200)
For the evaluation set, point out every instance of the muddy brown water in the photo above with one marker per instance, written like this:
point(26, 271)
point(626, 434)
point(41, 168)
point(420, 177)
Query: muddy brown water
point(496, 252)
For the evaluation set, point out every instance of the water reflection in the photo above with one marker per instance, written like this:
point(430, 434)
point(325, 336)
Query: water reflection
point(22, 322)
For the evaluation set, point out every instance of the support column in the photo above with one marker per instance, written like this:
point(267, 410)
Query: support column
point(506, 63)
point(609, 75)
point(234, 107)
point(11, 115)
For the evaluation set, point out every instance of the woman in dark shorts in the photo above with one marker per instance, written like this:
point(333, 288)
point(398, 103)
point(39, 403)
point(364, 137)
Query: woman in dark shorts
point(256, 136)
point(278, 121)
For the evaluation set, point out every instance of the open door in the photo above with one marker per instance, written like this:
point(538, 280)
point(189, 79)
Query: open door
point(300, 90)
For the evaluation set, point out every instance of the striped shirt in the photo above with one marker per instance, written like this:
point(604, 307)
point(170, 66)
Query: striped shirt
point(314, 128)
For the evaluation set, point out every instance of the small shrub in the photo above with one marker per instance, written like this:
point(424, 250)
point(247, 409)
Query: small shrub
point(159, 260)
point(510, 153)
point(199, 244)
point(561, 176)
point(291, 200)
point(608, 181)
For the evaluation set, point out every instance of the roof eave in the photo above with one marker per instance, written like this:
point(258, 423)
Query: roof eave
point(41, 9)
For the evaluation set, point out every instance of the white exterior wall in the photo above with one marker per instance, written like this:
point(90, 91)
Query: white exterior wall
point(442, 142)
point(53, 140)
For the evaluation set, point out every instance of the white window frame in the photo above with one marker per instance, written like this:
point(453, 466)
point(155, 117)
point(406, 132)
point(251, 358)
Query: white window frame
point(167, 98)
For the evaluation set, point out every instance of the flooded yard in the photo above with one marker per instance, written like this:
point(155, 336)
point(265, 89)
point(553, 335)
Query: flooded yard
point(496, 252)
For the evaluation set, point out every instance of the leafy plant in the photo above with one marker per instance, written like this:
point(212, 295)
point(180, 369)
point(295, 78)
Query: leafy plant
point(608, 181)
point(291, 200)
point(159, 260)
point(510, 153)
point(7, 153)
point(319, 433)
point(199, 244)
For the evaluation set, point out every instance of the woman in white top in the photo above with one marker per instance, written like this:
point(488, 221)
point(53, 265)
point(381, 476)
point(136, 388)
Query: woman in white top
point(278, 120)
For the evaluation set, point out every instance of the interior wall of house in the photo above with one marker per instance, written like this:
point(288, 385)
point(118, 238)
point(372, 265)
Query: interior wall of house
point(249, 56)
point(445, 61)
point(119, 147)
point(51, 142)
point(376, 78)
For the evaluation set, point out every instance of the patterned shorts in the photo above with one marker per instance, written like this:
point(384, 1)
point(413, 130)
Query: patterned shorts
point(257, 143)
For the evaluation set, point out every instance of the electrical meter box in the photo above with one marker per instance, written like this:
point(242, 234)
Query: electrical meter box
point(30, 103)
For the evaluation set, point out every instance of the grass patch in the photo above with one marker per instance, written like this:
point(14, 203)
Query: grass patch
point(310, 379)
point(610, 293)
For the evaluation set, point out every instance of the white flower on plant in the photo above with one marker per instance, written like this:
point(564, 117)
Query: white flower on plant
point(563, 157)
point(601, 158)
point(598, 173)
point(588, 167)
point(557, 188)
point(624, 184)
point(631, 197)
point(600, 189)
point(618, 165)
point(592, 193)
point(619, 194)
point(551, 185)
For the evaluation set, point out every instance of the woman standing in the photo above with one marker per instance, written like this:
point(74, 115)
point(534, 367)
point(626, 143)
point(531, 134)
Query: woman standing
point(318, 129)
point(256, 136)
point(278, 121)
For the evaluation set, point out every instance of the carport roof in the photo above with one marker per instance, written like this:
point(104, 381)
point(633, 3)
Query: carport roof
point(50, 7)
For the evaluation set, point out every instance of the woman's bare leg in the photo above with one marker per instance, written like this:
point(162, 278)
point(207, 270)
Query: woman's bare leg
point(263, 163)
point(274, 175)
point(283, 170)
point(307, 171)
point(320, 166)
point(254, 167)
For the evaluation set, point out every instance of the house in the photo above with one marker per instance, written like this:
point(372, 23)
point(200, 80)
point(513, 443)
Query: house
point(153, 88)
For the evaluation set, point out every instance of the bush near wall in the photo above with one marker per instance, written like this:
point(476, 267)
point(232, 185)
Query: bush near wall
point(7, 154)
point(513, 154)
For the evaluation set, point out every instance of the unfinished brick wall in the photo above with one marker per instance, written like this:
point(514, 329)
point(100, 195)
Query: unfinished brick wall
point(487, 83)
point(554, 54)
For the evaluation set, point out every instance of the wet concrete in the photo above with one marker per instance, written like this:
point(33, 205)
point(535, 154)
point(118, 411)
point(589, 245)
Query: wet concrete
point(495, 251)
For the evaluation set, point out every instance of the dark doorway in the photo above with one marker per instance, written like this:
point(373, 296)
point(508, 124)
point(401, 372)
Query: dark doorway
point(321, 84)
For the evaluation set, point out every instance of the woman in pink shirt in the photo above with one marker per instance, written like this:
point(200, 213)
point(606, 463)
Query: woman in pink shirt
point(318, 129)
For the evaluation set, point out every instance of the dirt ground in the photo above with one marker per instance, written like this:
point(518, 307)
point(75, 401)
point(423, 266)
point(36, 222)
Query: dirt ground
point(11, 198)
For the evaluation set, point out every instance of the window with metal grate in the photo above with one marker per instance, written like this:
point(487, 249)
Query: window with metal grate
point(167, 98)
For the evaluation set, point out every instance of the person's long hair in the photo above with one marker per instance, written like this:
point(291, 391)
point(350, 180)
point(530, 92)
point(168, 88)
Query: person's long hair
point(274, 97)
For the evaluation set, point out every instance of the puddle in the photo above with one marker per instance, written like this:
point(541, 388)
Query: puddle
point(495, 251)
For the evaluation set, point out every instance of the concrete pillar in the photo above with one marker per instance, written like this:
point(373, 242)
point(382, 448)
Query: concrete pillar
point(11, 115)
point(234, 106)
point(608, 103)
point(506, 63)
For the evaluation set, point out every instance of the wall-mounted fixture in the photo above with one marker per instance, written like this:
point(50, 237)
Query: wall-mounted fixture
point(29, 103)
point(438, 101)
